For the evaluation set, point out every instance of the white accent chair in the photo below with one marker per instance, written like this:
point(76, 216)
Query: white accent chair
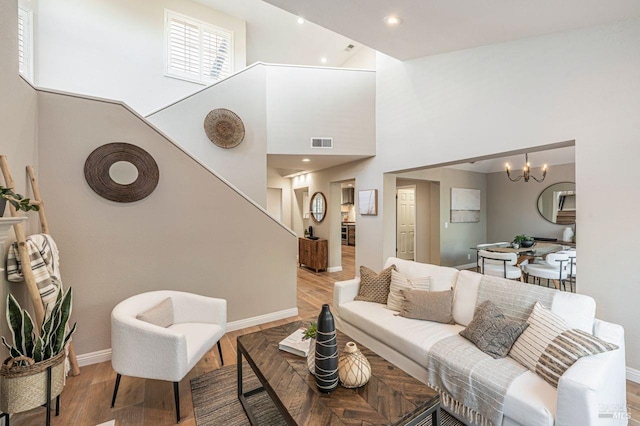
point(484, 247)
point(553, 267)
point(141, 349)
point(499, 264)
point(572, 266)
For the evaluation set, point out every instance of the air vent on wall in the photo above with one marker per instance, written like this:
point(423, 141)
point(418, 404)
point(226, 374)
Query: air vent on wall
point(349, 48)
point(321, 142)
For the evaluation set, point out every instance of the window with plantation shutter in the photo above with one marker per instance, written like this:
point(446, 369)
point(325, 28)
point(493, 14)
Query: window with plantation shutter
point(25, 47)
point(197, 51)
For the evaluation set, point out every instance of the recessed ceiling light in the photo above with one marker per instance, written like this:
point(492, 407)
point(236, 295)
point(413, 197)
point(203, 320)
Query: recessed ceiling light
point(305, 160)
point(323, 60)
point(392, 20)
point(300, 21)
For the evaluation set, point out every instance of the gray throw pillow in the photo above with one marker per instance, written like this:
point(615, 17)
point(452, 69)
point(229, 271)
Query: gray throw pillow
point(491, 331)
point(374, 287)
point(160, 315)
point(427, 305)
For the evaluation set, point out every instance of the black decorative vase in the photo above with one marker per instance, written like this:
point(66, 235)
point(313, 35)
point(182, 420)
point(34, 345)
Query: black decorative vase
point(527, 243)
point(326, 352)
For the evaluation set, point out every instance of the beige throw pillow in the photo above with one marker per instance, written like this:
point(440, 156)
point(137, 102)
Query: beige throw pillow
point(427, 305)
point(160, 315)
point(374, 287)
point(400, 282)
point(549, 347)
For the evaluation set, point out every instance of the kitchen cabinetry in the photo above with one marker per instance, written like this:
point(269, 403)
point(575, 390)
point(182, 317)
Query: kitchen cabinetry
point(313, 253)
point(348, 234)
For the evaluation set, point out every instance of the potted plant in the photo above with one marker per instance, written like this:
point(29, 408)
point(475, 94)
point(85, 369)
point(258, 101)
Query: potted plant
point(17, 200)
point(524, 240)
point(310, 333)
point(23, 375)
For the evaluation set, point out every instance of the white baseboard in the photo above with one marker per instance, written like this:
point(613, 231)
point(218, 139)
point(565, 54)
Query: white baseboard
point(334, 269)
point(94, 357)
point(633, 375)
point(467, 266)
point(105, 354)
point(261, 319)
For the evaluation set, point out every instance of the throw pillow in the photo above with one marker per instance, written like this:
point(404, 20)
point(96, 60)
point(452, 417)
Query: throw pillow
point(400, 282)
point(491, 331)
point(549, 347)
point(374, 287)
point(427, 305)
point(160, 315)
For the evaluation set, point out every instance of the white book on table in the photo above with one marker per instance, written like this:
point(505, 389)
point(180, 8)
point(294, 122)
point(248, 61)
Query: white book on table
point(295, 344)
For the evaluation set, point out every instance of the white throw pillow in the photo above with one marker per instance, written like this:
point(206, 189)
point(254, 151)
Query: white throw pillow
point(160, 315)
point(400, 282)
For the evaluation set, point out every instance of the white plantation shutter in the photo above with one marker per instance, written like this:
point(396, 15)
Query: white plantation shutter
point(197, 51)
point(25, 66)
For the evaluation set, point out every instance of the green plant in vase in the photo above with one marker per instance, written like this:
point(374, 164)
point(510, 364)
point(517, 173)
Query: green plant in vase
point(523, 240)
point(16, 200)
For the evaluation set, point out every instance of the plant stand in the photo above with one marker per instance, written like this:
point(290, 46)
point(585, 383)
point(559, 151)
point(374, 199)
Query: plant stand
point(47, 405)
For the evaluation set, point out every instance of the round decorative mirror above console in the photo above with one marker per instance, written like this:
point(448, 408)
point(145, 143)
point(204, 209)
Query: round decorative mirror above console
point(318, 207)
point(557, 203)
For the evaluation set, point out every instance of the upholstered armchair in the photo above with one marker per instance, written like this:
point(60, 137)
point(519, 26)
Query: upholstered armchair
point(499, 264)
point(169, 352)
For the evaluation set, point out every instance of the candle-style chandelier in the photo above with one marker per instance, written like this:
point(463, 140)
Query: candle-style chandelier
point(526, 172)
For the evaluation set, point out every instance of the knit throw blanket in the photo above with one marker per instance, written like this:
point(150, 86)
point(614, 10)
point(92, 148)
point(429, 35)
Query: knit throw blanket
point(45, 264)
point(471, 383)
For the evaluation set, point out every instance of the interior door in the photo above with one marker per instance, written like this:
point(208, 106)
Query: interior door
point(406, 223)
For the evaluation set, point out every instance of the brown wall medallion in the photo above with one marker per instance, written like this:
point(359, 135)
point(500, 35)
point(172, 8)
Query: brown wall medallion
point(224, 128)
point(98, 166)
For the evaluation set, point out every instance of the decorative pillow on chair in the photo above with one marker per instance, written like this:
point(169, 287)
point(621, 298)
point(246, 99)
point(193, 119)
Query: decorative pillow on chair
point(374, 287)
point(160, 315)
point(549, 347)
point(427, 305)
point(398, 283)
point(491, 331)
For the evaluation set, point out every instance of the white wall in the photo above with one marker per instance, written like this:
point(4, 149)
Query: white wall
point(363, 59)
point(245, 166)
point(306, 102)
point(274, 180)
point(115, 49)
point(193, 233)
point(18, 112)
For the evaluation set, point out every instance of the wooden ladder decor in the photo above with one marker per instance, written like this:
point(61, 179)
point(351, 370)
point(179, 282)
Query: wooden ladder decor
point(29, 279)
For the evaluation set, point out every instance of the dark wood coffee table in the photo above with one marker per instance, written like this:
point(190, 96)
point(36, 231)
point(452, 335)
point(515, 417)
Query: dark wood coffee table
point(391, 397)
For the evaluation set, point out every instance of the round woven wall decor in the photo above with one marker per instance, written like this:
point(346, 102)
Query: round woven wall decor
point(99, 162)
point(224, 128)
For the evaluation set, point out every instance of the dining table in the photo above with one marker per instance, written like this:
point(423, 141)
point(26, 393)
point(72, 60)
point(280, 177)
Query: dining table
point(539, 249)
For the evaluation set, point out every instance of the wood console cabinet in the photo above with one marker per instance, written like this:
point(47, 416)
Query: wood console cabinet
point(313, 253)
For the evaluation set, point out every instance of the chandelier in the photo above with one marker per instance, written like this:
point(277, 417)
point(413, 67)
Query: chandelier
point(527, 172)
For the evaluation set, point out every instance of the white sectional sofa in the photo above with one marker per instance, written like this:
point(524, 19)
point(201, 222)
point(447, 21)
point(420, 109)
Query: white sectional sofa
point(591, 392)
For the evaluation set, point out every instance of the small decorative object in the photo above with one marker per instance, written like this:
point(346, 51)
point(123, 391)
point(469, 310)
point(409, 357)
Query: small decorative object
point(465, 205)
point(311, 333)
point(23, 376)
point(224, 128)
point(326, 352)
point(368, 202)
point(515, 245)
point(97, 170)
point(524, 241)
point(354, 369)
point(526, 172)
point(567, 235)
point(16, 200)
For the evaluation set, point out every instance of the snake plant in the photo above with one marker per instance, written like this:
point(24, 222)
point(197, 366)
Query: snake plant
point(52, 338)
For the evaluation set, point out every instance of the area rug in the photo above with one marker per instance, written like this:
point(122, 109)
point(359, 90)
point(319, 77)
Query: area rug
point(215, 401)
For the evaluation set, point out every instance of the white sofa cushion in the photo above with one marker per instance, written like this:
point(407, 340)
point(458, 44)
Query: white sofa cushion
point(465, 296)
point(442, 277)
point(411, 337)
point(530, 401)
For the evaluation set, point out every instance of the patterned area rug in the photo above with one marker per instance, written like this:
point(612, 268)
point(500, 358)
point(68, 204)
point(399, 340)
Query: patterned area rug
point(215, 401)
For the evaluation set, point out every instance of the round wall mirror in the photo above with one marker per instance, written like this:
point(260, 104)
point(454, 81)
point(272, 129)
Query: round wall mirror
point(318, 207)
point(557, 203)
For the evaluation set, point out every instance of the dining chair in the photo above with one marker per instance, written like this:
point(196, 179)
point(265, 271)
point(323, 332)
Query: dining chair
point(554, 267)
point(499, 264)
point(485, 246)
point(572, 266)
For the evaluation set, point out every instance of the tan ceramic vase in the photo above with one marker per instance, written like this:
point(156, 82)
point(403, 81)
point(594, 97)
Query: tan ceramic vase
point(354, 369)
point(311, 357)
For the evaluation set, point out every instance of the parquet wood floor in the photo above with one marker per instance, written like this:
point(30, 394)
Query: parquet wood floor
point(86, 398)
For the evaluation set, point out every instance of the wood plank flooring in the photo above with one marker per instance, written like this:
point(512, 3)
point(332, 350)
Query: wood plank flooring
point(86, 398)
